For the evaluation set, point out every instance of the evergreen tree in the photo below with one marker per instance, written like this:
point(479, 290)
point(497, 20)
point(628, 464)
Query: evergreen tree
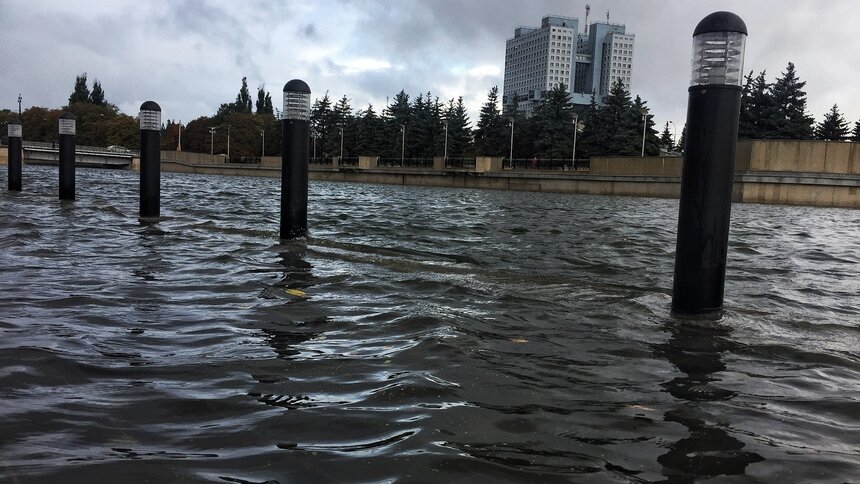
point(268, 107)
point(97, 96)
point(398, 119)
point(622, 123)
point(652, 141)
point(787, 117)
point(666, 139)
point(593, 139)
point(833, 127)
point(81, 93)
point(856, 137)
point(243, 99)
point(756, 109)
point(524, 130)
point(490, 132)
point(342, 118)
point(553, 124)
point(322, 123)
point(459, 131)
point(369, 133)
point(682, 141)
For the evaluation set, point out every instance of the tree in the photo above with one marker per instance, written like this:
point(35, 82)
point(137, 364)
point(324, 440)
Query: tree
point(369, 132)
point(322, 124)
point(856, 137)
point(756, 107)
point(262, 96)
point(833, 127)
point(490, 130)
point(523, 128)
point(97, 96)
point(787, 114)
point(397, 114)
point(621, 120)
point(81, 93)
point(682, 141)
point(459, 129)
point(652, 142)
point(243, 99)
point(592, 141)
point(553, 124)
point(666, 139)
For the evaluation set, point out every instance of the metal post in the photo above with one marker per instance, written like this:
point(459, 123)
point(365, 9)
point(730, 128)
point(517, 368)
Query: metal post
point(150, 159)
point(341, 145)
point(706, 181)
point(644, 126)
point(67, 156)
point(228, 143)
point(403, 143)
point(19, 104)
point(14, 149)
point(179, 144)
point(212, 141)
point(512, 143)
point(295, 130)
point(446, 142)
point(575, 129)
point(263, 134)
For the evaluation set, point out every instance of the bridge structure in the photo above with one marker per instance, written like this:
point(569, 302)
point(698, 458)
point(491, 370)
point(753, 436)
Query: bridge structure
point(41, 153)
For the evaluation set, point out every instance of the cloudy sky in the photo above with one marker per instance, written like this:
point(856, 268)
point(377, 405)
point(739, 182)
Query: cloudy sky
point(190, 55)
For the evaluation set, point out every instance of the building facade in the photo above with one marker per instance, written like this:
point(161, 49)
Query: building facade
point(540, 59)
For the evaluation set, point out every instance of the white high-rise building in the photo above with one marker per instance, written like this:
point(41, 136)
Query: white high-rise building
point(539, 59)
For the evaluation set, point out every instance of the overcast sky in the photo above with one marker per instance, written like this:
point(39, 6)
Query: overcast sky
point(190, 56)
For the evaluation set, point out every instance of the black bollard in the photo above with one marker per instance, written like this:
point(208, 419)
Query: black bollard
point(14, 146)
point(709, 160)
point(150, 159)
point(67, 156)
point(295, 132)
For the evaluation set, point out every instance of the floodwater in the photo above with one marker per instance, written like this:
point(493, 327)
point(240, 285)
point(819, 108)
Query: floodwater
point(416, 335)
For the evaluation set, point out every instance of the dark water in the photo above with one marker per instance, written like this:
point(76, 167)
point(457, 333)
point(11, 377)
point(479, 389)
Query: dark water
point(418, 335)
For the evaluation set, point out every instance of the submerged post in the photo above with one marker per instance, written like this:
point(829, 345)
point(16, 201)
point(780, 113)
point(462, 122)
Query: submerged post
point(14, 147)
point(295, 130)
point(706, 180)
point(67, 156)
point(150, 159)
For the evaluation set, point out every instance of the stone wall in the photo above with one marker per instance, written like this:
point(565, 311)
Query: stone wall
point(798, 156)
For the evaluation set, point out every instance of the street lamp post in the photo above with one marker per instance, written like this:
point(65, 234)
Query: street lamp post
point(263, 151)
point(402, 143)
point(575, 129)
point(228, 142)
point(511, 124)
point(644, 112)
point(340, 160)
point(19, 104)
point(179, 143)
point(212, 140)
point(314, 136)
point(445, 155)
point(707, 177)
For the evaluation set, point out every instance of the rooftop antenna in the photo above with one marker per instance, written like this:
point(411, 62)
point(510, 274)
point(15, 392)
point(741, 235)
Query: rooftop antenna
point(607, 16)
point(587, 10)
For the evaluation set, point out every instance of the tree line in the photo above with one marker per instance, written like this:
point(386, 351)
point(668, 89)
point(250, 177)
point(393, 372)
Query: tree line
point(417, 125)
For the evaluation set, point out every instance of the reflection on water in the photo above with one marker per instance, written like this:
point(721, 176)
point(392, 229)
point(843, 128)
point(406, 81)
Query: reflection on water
point(416, 334)
point(696, 348)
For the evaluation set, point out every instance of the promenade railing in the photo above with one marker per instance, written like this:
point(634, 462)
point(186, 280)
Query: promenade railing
point(548, 164)
point(405, 162)
point(462, 163)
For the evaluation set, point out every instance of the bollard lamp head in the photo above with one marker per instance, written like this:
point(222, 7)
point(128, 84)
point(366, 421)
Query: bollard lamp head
point(150, 116)
point(718, 50)
point(297, 100)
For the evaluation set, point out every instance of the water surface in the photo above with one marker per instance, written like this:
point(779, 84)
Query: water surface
point(416, 335)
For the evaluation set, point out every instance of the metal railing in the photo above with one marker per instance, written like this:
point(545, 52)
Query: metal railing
point(349, 161)
point(244, 160)
point(319, 161)
point(559, 164)
point(42, 145)
point(406, 162)
point(463, 163)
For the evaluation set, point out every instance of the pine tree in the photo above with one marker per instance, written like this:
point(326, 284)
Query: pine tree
point(666, 139)
point(97, 96)
point(592, 141)
point(788, 117)
point(459, 131)
point(622, 123)
point(398, 115)
point(856, 137)
point(490, 132)
point(268, 107)
point(553, 123)
point(756, 109)
point(833, 127)
point(652, 141)
point(746, 122)
point(369, 133)
point(682, 141)
point(81, 94)
point(322, 124)
point(342, 118)
point(523, 127)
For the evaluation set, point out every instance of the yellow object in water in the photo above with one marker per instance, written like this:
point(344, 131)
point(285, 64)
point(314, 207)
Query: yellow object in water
point(295, 292)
